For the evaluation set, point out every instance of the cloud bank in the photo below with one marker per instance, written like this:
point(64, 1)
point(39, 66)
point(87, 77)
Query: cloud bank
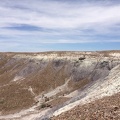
point(59, 21)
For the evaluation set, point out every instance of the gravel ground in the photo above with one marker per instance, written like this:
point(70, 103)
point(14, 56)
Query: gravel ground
point(107, 108)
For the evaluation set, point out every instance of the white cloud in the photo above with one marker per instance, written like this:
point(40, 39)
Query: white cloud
point(67, 18)
point(58, 15)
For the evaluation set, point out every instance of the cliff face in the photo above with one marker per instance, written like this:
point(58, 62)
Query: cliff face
point(29, 80)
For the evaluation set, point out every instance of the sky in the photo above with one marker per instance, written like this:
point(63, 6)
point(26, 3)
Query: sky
point(59, 25)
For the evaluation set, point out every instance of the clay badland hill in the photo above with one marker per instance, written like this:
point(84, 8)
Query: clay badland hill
point(60, 86)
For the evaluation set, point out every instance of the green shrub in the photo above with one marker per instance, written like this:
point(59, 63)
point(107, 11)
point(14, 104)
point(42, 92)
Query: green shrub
point(2, 101)
point(43, 105)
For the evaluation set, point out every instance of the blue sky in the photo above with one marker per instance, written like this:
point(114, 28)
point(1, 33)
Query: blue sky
point(54, 25)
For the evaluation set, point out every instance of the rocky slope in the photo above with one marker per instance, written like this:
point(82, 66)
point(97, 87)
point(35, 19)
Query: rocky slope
point(42, 85)
point(107, 108)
